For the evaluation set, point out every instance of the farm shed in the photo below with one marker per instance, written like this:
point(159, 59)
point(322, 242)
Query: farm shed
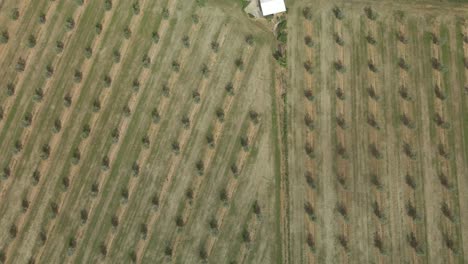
point(270, 7)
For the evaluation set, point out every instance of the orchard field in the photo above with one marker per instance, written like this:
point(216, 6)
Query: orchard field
point(166, 131)
point(377, 132)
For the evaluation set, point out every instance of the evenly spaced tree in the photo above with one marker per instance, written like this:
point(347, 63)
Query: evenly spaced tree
point(84, 215)
point(31, 41)
point(309, 122)
point(36, 176)
point(405, 120)
point(18, 146)
point(220, 114)
point(107, 80)
point(341, 121)
point(124, 193)
point(434, 38)
point(307, 13)
point(103, 249)
point(244, 141)
point(108, 5)
point(155, 201)
point(246, 237)
point(310, 180)
point(143, 230)
point(105, 163)
point(376, 181)
point(374, 151)
point(186, 41)
point(450, 243)
point(402, 37)
point(310, 211)
point(14, 13)
point(409, 151)
point(115, 135)
point(94, 188)
point(4, 37)
point(126, 111)
point(155, 37)
point(342, 210)
point(76, 156)
point(308, 41)
point(185, 121)
point(13, 230)
point(96, 105)
point(339, 66)
point(343, 241)
point(27, 119)
point(338, 39)
point(210, 139)
point(215, 46)
point(410, 181)
point(404, 93)
point(403, 64)
point(165, 13)
point(175, 66)
point(447, 212)
point(310, 242)
point(338, 12)
point(239, 64)
point(6, 172)
point(372, 121)
point(439, 93)
point(85, 131)
point(340, 94)
point(179, 221)
point(45, 151)
point(377, 210)
point(127, 32)
point(136, 8)
point(370, 13)
point(370, 39)
point(98, 28)
point(249, 39)
point(442, 150)
point(25, 204)
point(309, 95)
point(135, 169)
point(54, 208)
point(200, 166)
point(57, 126)
point(378, 243)
point(414, 243)
point(308, 67)
point(223, 195)
point(42, 236)
point(65, 183)
point(213, 224)
point(437, 64)
point(69, 23)
point(444, 181)
point(205, 70)
point(411, 211)
point(168, 250)
point(116, 56)
point(20, 65)
point(175, 147)
point(115, 221)
point(203, 253)
point(372, 66)
point(59, 46)
point(10, 89)
point(309, 150)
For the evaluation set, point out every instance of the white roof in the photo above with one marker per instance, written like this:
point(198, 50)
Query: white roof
point(270, 7)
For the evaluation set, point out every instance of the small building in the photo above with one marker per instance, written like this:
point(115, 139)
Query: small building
point(270, 7)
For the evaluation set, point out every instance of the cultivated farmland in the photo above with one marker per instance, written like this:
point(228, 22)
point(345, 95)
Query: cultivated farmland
point(170, 131)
